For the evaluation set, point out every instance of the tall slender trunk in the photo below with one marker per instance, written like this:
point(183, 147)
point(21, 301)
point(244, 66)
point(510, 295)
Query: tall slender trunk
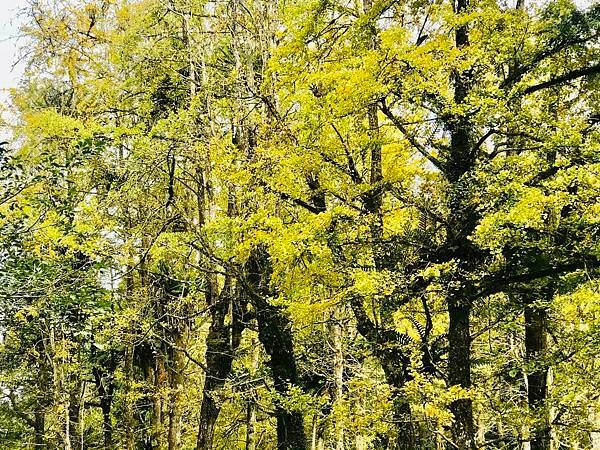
point(128, 373)
point(209, 412)
point(274, 333)
point(128, 415)
point(174, 436)
point(407, 437)
point(222, 340)
point(39, 428)
point(250, 426)
point(459, 371)
point(158, 377)
point(536, 343)
point(251, 403)
point(176, 383)
point(535, 347)
point(75, 415)
point(462, 223)
point(317, 441)
point(60, 394)
point(360, 440)
point(219, 358)
point(386, 346)
point(374, 199)
point(105, 386)
point(221, 344)
point(43, 385)
point(338, 371)
point(218, 366)
point(105, 406)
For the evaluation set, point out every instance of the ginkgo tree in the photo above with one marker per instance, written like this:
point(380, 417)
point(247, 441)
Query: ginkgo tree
point(302, 224)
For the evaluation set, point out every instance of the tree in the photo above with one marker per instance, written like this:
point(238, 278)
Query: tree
point(253, 224)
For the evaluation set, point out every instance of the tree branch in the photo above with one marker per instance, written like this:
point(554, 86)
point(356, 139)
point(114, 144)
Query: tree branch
point(569, 76)
point(497, 284)
point(416, 144)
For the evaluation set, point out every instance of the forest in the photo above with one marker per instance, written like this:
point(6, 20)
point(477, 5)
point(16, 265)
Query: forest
point(302, 225)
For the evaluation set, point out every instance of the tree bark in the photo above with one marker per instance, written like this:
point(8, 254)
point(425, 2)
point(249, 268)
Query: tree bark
point(209, 413)
point(39, 428)
point(338, 371)
point(160, 381)
point(535, 347)
point(218, 366)
point(462, 223)
point(386, 345)
point(75, 414)
point(459, 371)
point(177, 378)
point(251, 406)
point(221, 343)
point(316, 439)
point(105, 405)
point(60, 394)
point(105, 388)
point(128, 415)
point(274, 333)
point(250, 424)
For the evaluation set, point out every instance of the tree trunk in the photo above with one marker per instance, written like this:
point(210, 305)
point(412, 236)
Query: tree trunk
point(386, 345)
point(105, 386)
point(209, 413)
point(128, 415)
point(407, 438)
point(251, 405)
point(338, 372)
point(218, 366)
point(159, 380)
point(105, 405)
point(177, 378)
point(75, 415)
point(274, 333)
point(462, 223)
point(317, 441)
point(221, 343)
point(39, 428)
point(459, 371)
point(60, 394)
point(42, 402)
point(535, 347)
point(250, 424)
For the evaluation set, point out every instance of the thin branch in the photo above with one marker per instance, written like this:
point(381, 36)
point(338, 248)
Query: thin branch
point(569, 76)
point(416, 144)
point(354, 175)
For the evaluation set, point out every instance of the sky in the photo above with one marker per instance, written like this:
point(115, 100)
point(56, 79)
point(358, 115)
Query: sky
point(9, 44)
point(9, 49)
